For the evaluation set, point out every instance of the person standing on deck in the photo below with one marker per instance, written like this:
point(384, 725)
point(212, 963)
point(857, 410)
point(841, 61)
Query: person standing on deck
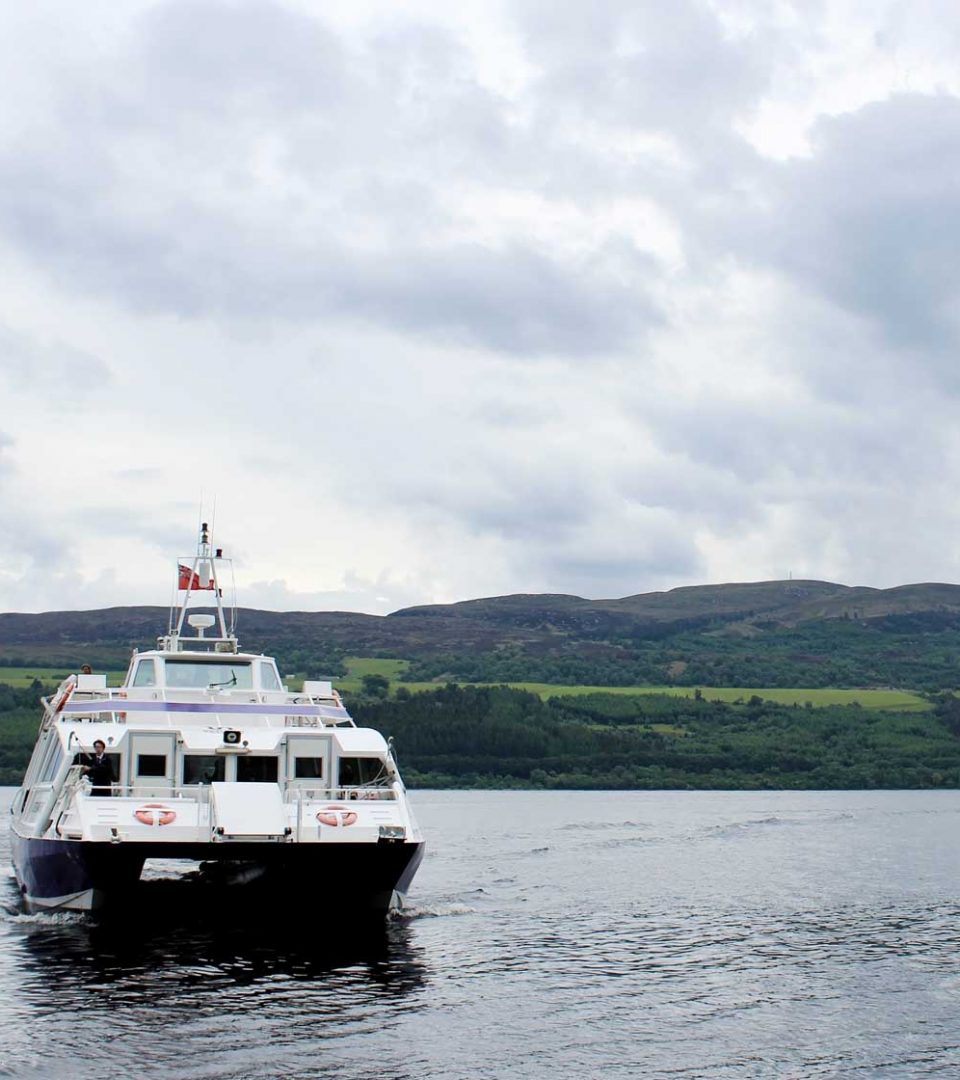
point(99, 771)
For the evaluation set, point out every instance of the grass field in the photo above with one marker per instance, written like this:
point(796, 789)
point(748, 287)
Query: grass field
point(20, 677)
point(900, 700)
point(358, 666)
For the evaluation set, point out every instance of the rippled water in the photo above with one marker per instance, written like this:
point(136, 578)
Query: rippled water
point(580, 934)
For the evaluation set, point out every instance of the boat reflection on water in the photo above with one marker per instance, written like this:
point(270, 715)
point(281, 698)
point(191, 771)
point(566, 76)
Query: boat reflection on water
point(181, 939)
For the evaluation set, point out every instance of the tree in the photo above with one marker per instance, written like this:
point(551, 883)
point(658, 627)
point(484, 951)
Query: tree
point(375, 686)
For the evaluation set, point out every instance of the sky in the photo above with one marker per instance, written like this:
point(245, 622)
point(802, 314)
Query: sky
point(425, 302)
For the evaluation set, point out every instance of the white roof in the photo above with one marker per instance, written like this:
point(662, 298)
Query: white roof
point(360, 740)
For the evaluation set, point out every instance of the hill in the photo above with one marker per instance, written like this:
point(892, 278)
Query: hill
point(771, 633)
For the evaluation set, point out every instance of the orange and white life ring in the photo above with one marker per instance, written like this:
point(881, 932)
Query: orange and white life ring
point(154, 813)
point(338, 816)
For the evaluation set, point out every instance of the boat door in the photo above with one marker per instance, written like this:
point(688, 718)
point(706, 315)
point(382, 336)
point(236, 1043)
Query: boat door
point(152, 761)
point(308, 762)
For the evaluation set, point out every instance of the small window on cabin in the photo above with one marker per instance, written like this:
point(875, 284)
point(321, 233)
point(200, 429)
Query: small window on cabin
point(257, 770)
point(362, 772)
point(145, 674)
point(151, 765)
point(203, 768)
point(308, 768)
point(269, 679)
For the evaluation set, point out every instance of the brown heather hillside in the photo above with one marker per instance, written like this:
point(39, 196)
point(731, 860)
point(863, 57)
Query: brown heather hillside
point(532, 621)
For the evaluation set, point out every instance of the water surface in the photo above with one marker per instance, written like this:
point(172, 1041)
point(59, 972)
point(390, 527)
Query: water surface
point(550, 934)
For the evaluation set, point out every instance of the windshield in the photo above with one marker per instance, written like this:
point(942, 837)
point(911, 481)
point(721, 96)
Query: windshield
point(201, 674)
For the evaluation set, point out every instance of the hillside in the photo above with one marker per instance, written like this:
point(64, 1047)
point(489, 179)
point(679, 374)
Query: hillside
point(774, 633)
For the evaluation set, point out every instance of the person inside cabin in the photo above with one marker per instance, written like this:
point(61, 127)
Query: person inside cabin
point(98, 769)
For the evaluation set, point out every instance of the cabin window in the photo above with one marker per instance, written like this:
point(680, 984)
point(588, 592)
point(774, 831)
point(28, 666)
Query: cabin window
point(151, 764)
point(362, 771)
point(209, 674)
point(308, 768)
point(269, 679)
point(257, 770)
point(52, 765)
point(203, 768)
point(40, 752)
point(146, 674)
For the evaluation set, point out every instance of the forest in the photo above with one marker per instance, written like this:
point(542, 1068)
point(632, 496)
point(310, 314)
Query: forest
point(496, 737)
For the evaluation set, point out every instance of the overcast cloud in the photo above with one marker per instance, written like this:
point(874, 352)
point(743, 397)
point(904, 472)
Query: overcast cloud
point(432, 304)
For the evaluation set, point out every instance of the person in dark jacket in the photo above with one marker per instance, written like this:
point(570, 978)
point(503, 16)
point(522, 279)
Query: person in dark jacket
point(99, 770)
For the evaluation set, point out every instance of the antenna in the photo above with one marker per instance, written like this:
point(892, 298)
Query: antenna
point(202, 573)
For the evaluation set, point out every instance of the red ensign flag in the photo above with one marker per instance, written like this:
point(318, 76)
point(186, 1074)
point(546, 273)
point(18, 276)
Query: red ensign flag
point(186, 574)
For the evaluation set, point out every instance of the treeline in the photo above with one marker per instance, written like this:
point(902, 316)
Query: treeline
point(916, 654)
point(19, 723)
point(497, 737)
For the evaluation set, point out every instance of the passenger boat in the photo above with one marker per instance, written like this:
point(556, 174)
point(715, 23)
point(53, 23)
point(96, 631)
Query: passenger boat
point(210, 758)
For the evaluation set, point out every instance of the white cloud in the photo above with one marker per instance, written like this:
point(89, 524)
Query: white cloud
point(453, 301)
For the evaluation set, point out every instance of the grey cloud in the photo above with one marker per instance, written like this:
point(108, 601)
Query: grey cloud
point(6, 466)
point(100, 202)
point(143, 474)
point(29, 365)
point(601, 576)
point(28, 540)
point(511, 502)
point(240, 57)
point(869, 221)
point(143, 526)
point(703, 490)
point(670, 68)
point(516, 299)
point(797, 442)
point(376, 596)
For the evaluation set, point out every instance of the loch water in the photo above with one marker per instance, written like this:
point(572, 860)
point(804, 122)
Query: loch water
point(548, 935)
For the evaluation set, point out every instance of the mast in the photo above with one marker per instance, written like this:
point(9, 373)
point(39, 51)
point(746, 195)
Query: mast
point(201, 574)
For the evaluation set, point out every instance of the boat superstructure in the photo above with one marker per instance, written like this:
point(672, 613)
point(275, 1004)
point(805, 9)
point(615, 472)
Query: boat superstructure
point(211, 758)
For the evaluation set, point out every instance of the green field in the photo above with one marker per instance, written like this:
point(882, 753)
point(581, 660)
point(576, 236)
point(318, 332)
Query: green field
point(24, 676)
point(392, 669)
point(900, 700)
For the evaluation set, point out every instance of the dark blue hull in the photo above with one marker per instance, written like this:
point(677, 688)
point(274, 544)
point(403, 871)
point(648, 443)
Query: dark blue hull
point(86, 876)
point(69, 874)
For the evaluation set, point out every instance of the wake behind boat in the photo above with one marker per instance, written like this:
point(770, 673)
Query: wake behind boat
point(203, 754)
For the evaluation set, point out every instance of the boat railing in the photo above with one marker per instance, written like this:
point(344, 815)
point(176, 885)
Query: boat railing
point(341, 794)
point(204, 694)
point(199, 793)
point(335, 797)
point(120, 705)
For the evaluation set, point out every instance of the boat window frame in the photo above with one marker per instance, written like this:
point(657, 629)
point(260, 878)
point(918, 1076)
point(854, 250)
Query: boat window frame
point(143, 664)
point(382, 779)
point(220, 766)
point(265, 667)
point(246, 758)
point(141, 775)
point(37, 757)
point(171, 663)
point(53, 759)
point(297, 758)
